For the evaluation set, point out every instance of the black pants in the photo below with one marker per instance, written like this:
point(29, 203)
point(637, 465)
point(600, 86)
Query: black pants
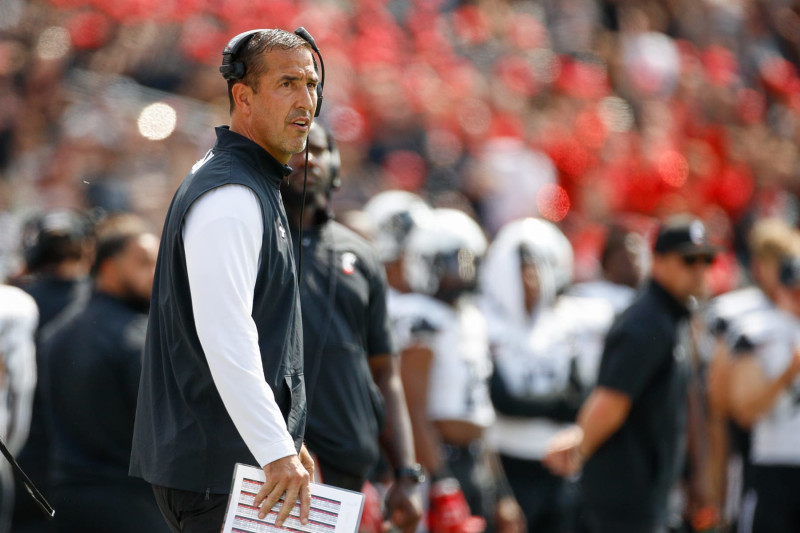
point(104, 507)
point(191, 512)
point(470, 469)
point(594, 523)
point(331, 476)
point(772, 501)
point(548, 501)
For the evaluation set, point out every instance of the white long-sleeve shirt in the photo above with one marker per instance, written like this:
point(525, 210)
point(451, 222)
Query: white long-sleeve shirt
point(222, 236)
point(19, 317)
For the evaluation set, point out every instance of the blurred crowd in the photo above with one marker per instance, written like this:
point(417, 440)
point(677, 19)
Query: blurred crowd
point(575, 110)
point(594, 120)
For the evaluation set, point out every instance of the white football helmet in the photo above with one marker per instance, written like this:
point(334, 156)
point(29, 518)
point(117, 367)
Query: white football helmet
point(537, 240)
point(443, 257)
point(546, 240)
point(394, 214)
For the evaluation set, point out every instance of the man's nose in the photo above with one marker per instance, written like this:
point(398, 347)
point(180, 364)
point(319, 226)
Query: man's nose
point(308, 99)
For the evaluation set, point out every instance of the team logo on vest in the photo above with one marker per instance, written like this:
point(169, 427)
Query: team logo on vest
point(349, 263)
point(280, 229)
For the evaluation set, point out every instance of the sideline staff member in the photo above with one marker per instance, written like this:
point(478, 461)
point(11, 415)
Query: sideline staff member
point(632, 428)
point(222, 377)
point(357, 401)
point(91, 363)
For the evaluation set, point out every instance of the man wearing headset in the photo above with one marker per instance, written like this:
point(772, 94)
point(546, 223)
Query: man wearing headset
point(222, 375)
point(356, 404)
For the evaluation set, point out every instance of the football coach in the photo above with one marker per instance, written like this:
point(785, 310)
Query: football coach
point(222, 376)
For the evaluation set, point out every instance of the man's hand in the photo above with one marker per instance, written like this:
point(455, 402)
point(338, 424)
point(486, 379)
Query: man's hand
point(508, 516)
point(286, 476)
point(307, 461)
point(563, 456)
point(403, 506)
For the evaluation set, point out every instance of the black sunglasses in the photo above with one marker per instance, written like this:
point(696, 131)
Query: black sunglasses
point(691, 260)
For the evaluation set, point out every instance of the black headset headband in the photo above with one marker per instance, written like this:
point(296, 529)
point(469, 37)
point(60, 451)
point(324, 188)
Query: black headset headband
point(235, 70)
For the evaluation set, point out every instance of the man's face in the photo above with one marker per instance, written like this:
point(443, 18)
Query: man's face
point(282, 108)
point(682, 275)
point(136, 266)
point(319, 169)
point(530, 284)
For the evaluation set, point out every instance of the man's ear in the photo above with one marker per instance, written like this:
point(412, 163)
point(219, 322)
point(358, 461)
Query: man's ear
point(242, 97)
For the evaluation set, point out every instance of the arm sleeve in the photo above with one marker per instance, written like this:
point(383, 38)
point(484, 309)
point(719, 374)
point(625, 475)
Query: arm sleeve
point(630, 359)
point(561, 408)
point(20, 361)
point(379, 334)
point(222, 235)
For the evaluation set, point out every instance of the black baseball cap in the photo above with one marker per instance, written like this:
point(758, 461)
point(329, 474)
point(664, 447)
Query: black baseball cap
point(790, 272)
point(684, 235)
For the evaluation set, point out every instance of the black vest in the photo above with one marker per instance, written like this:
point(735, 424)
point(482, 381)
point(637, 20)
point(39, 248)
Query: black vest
point(183, 436)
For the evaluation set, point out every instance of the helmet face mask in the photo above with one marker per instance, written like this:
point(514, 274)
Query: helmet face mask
point(443, 259)
point(457, 272)
point(392, 234)
point(394, 215)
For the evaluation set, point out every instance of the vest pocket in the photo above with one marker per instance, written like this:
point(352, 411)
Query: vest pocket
point(296, 418)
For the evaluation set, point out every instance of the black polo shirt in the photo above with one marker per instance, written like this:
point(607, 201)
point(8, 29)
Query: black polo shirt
point(343, 296)
point(646, 357)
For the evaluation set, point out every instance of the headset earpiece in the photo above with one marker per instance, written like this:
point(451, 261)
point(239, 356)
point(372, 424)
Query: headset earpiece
point(235, 70)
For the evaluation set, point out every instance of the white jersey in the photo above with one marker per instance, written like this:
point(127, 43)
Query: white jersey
point(586, 321)
point(400, 327)
point(723, 315)
point(726, 309)
point(774, 335)
point(619, 296)
point(19, 317)
point(458, 386)
point(559, 354)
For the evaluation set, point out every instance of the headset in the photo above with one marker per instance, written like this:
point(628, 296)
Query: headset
point(335, 164)
point(233, 70)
